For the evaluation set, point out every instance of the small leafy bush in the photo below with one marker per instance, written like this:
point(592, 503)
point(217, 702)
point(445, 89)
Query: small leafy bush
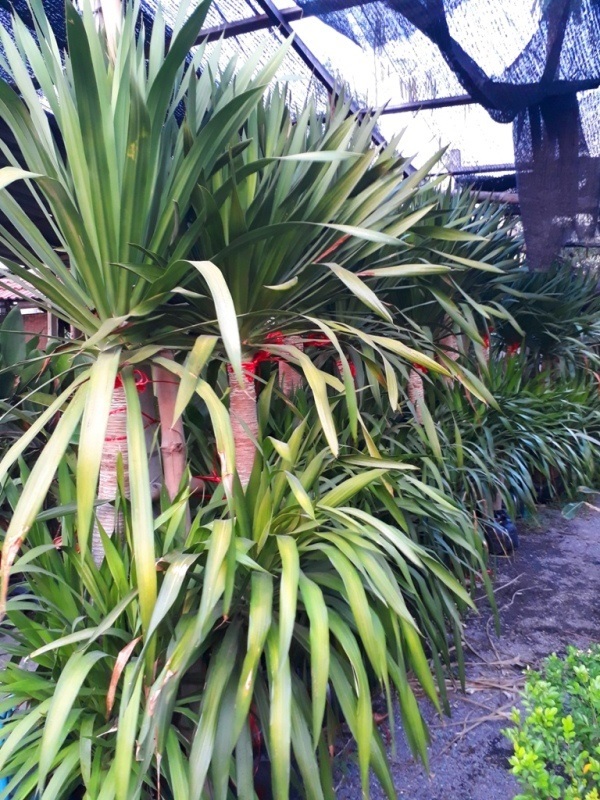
point(556, 738)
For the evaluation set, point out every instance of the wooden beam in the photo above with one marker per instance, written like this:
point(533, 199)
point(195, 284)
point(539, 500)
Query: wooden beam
point(279, 20)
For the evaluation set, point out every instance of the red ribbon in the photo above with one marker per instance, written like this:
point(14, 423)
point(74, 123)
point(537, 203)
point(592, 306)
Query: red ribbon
point(420, 368)
point(141, 380)
point(486, 336)
point(250, 367)
point(212, 478)
point(351, 367)
point(317, 340)
point(208, 479)
point(275, 337)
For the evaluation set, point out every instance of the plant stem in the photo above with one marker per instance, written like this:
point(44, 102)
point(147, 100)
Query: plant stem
point(115, 445)
point(289, 378)
point(173, 449)
point(244, 421)
point(416, 393)
point(450, 345)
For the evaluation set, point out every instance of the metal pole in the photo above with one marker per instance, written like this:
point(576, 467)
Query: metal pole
point(260, 21)
point(309, 58)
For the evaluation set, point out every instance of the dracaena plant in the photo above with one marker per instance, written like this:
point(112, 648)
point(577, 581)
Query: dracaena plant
point(539, 438)
point(103, 153)
point(432, 285)
point(270, 629)
point(102, 148)
point(465, 247)
point(297, 222)
point(556, 317)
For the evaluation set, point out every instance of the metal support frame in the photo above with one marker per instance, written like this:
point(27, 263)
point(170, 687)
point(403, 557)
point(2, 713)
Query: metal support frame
point(262, 21)
point(481, 169)
point(309, 58)
point(431, 103)
point(238, 27)
point(282, 18)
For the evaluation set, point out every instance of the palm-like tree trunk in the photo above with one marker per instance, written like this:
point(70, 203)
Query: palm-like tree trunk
point(115, 448)
point(172, 447)
point(416, 393)
point(244, 420)
point(289, 378)
point(450, 345)
point(243, 406)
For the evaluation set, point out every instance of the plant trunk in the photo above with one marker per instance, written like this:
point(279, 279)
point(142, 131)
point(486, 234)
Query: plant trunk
point(244, 420)
point(289, 378)
point(498, 502)
point(115, 445)
point(416, 393)
point(172, 447)
point(449, 344)
point(486, 354)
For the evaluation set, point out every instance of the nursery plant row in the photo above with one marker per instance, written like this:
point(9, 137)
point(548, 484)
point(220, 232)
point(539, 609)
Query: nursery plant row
point(302, 390)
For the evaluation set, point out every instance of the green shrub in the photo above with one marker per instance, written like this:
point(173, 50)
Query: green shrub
point(280, 622)
point(556, 738)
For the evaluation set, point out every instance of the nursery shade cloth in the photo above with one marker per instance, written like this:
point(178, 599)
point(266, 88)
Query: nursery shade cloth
point(535, 63)
point(545, 89)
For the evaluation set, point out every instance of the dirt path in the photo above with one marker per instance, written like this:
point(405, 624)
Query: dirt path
point(547, 596)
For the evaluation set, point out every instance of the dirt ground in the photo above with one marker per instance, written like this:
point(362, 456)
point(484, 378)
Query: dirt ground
point(548, 598)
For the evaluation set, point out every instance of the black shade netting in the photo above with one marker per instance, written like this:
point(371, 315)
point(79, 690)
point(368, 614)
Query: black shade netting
point(527, 62)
